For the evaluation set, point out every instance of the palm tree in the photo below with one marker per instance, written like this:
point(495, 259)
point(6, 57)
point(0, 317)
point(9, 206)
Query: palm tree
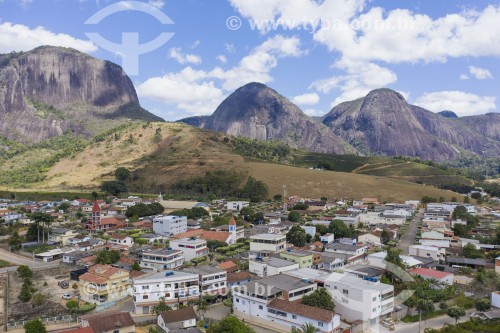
point(307, 328)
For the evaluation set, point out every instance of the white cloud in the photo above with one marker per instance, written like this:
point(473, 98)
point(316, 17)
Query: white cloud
point(230, 48)
point(306, 99)
point(17, 37)
point(157, 3)
point(314, 112)
point(464, 77)
point(176, 53)
point(199, 91)
point(222, 58)
point(195, 44)
point(462, 103)
point(480, 73)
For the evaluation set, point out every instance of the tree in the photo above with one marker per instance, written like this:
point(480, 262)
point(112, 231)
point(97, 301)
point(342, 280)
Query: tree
point(64, 206)
point(456, 312)
point(293, 216)
point(307, 328)
point(25, 293)
point(297, 236)
point(300, 206)
point(107, 257)
point(136, 267)
point(94, 195)
point(466, 200)
point(230, 324)
point(122, 174)
point(38, 300)
point(320, 298)
point(114, 187)
point(34, 326)
point(258, 218)
point(385, 237)
point(214, 244)
point(162, 306)
point(393, 256)
point(427, 199)
point(483, 304)
point(278, 197)
point(470, 251)
point(247, 213)
point(24, 272)
point(340, 229)
point(255, 190)
point(459, 212)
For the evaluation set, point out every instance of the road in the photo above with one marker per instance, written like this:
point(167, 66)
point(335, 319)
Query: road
point(437, 322)
point(409, 237)
point(17, 259)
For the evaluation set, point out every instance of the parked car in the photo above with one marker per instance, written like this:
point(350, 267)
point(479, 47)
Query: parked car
point(63, 284)
point(67, 296)
point(389, 323)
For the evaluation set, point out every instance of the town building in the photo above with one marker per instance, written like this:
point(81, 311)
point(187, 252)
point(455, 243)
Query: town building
point(236, 205)
point(213, 280)
point(433, 252)
point(351, 253)
point(161, 259)
point(267, 243)
point(431, 274)
point(327, 238)
point(304, 259)
point(177, 319)
point(169, 225)
point(190, 247)
point(108, 322)
point(103, 284)
point(269, 266)
point(61, 236)
point(118, 239)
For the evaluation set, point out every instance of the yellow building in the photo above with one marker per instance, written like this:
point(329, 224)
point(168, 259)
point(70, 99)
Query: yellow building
point(104, 283)
point(304, 259)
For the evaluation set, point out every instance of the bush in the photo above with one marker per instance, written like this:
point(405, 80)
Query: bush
point(72, 304)
point(38, 300)
point(24, 272)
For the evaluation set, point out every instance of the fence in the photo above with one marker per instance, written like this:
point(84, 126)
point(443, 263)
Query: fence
point(47, 321)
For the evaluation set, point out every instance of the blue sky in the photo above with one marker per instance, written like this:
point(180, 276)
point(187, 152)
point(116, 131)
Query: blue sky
point(439, 54)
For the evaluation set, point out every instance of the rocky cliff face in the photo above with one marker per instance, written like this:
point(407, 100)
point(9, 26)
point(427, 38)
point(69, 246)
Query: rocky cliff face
point(383, 122)
point(51, 90)
point(257, 111)
point(487, 124)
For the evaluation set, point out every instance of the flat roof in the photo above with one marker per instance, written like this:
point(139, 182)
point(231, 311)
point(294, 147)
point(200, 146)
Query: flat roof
point(268, 236)
point(163, 275)
point(358, 283)
point(297, 253)
point(424, 247)
point(277, 262)
point(163, 251)
point(203, 270)
point(461, 260)
point(277, 283)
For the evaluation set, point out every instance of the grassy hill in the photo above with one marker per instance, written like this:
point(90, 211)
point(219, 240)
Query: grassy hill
point(163, 155)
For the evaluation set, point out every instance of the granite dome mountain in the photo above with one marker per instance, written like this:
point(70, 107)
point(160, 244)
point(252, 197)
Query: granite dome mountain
point(49, 91)
point(381, 123)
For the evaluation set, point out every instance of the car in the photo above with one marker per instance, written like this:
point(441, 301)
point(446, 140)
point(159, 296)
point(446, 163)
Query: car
point(67, 296)
point(389, 323)
point(63, 284)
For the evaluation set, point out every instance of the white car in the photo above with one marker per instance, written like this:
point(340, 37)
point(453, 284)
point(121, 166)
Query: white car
point(66, 296)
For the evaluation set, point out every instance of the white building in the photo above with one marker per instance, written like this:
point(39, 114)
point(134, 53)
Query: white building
point(169, 225)
point(236, 205)
point(450, 206)
point(270, 266)
point(350, 252)
point(161, 259)
point(267, 242)
point(327, 238)
point(435, 242)
point(378, 259)
point(435, 253)
point(174, 286)
point(373, 218)
point(213, 280)
point(191, 247)
point(121, 240)
point(310, 230)
point(432, 274)
point(270, 302)
point(495, 299)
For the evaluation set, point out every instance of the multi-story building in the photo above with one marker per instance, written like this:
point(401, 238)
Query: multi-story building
point(267, 243)
point(269, 266)
point(275, 302)
point(236, 205)
point(117, 239)
point(61, 236)
point(351, 253)
point(213, 280)
point(304, 259)
point(191, 247)
point(433, 252)
point(173, 286)
point(104, 283)
point(169, 225)
point(161, 259)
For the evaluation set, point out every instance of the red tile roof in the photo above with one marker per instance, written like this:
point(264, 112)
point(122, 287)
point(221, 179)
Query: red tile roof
point(175, 316)
point(232, 221)
point(303, 310)
point(241, 276)
point(118, 236)
point(109, 321)
point(227, 265)
point(80, 330)
point(96, 207)
point(205, 234)
point(432, 273)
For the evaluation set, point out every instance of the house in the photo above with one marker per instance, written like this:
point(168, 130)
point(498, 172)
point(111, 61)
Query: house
point(330, 261)
point(169, 225)
point(272, 243)
point(161, 259)
point(228, 266)
point(236, 205)
point(104, 283)
point(190, 247)
point(431, 274)
point(269, 266)
point(78, 239)
point(80, 202)
point(375, 218)
point(433, 252)
point(304, 259)
point(374, 237)
point(108, 322)
point(213, 280)
point(275, 303)
point(118, 239)
point(207, 235)
point(74, 256)
point(443, 243)
point(175, 287)
point(177, 319)
point(172, 205)
point(466, 262)
point(61, 236)
point(378, 259)
point(351, 253)
point(236, 279)
point(327, 238)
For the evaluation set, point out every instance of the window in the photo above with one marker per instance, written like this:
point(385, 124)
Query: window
point(237, 300)
point(334, 287)
point(261, 307)
point(145, 287)
point(294, 316)
point(320, 324)
point(374, 309)
point(374, 299)
point(345, 291)
point(116, 331)
point(145, 297)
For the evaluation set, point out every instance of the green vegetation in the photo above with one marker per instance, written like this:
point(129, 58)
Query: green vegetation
point(217, 183)
point(230, 324)
point(471, 326)
point(140, 209)
point(320, 298)
point(456, 312)
point(193, 213)
point(4, 263)
point(34, 326)
point(271, 151)
point(297, 236)
point(24, 272)
point(162, 306)
point(107, 257)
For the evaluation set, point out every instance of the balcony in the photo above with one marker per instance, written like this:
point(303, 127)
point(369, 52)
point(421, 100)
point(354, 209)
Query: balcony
point(387, 296)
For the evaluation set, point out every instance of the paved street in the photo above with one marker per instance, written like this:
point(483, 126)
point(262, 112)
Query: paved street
point(21, 260)
point(437, 322)
point(409, 238)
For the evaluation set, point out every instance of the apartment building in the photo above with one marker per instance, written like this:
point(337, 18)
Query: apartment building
point(161, 259)
point(263, 243)
point(275, 303)
point(433, 252)
point(104, 283)
point(351, 253)
point(236, 205)
point(174, 286)
point(270, 266)
point(304, 259)
point(213, 280)
point(169, 225)
point(191, 247)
